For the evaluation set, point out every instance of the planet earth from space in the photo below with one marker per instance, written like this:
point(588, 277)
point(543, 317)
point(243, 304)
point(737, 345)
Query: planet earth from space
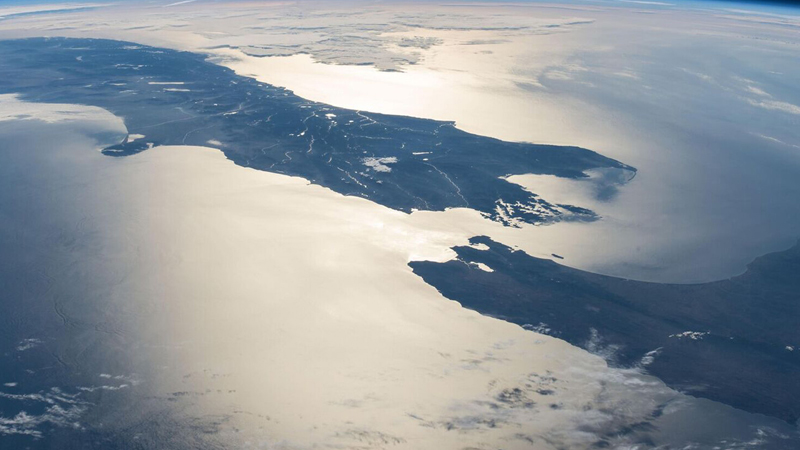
point(401, 224)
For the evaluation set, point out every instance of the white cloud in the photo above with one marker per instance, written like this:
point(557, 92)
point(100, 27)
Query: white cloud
point(379, 164)
point(758, 91)
point(776, 105)
point(179, 3)
point(775, 140)
point(700, 75)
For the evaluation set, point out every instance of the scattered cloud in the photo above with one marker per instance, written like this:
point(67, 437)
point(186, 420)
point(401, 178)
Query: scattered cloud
point(700, 75)
point(380, 164)
point(757, 91)
point(775, 140)
point(776, 105)
point(179, 3)
point(27, 344)
point(643, 2)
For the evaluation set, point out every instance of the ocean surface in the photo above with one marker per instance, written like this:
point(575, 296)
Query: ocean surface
point(176, 296)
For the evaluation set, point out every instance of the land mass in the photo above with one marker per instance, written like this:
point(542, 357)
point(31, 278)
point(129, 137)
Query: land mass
point(175, 98)
point(736, 341)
